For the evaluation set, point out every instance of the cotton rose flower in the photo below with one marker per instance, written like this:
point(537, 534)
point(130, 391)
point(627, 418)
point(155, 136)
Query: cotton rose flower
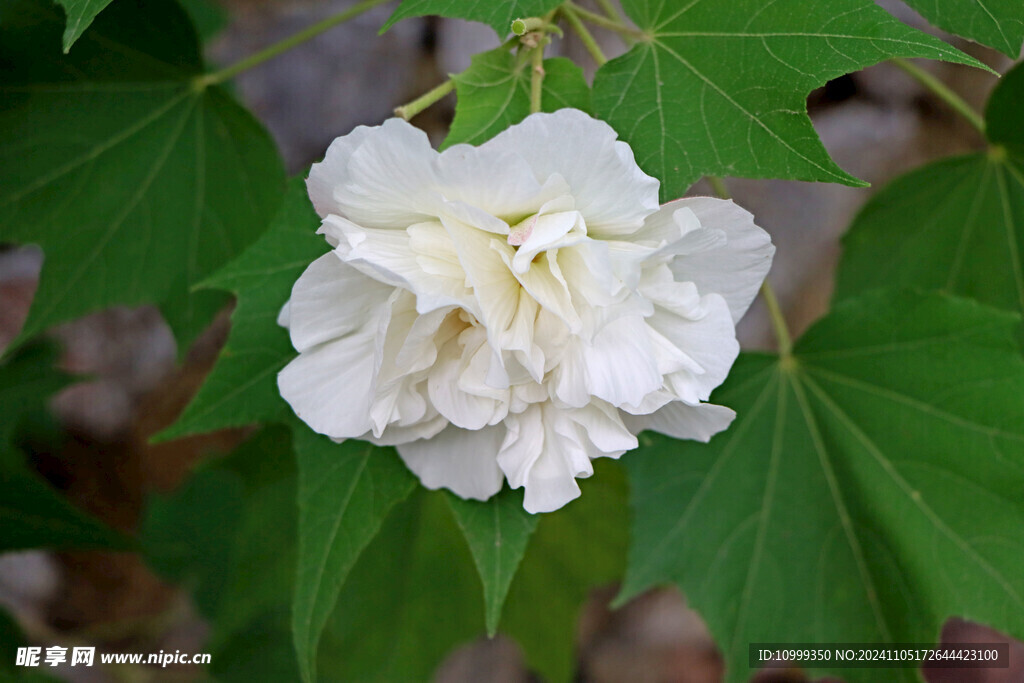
point(514, 310)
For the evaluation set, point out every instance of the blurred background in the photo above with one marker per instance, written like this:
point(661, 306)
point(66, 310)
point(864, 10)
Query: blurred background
point(876, 124)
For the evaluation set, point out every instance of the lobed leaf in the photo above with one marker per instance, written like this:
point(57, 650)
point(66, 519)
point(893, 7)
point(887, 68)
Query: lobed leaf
point(996, 23)
point(956, 225)
point(494, 93)
point(242, 387)
point(497, 15)
point(720, 89)
point(345, 491)
point(32, 513)
point(136, 181)
point(412, 596)
point(875, 475)
point(574, 550)
point(497, 532)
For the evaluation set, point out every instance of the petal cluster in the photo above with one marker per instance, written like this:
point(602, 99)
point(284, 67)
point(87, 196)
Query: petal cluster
point(514, 310)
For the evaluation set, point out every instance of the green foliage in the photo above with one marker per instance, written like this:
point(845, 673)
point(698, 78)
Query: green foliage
point(955, 225)
point(575, 549)
point(412, 596)
point(996, 23)
point(494, 93)
point(720, 89)
point(136, 181)
point(497, 15)
point(228, 535)
point(497, 532)
point(11, 639)
point(242, 387)
point(869, 489)
point(345, 491)
point(32, 513)
point(188, 535)
point(79, 14)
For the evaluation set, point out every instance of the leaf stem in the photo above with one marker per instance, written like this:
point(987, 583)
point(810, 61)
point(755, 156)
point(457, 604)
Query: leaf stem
point(286, 44)
point(596, 19)
point(942, 91)
point(718, 185)
point(588, 39)
point(782, 336)
point(537, 77)
point(431, 97)
point(610, 10)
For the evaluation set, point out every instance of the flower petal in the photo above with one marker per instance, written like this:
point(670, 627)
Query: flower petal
point(735, 269)
point(683, 421)
point(611, 191)
point(459, 460)
point(330, 387)
point(331, 299)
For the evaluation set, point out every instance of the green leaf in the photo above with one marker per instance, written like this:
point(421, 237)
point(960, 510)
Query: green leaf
point(251, 637)
point(345, 491)
point(187, 536)
point(229, 536)
point(498, 15)
point(11, 639)
point(242, 387)
point(494, 93)
point(497, 532)
point(869, 488)
point(412, 596)
point(956, 225)
point(1002, 116)
point(79, 14)
point(574, 550)
point(136, 181)
point(721, 89)
point(32, 513)
point(262, 567)
point(996, 23)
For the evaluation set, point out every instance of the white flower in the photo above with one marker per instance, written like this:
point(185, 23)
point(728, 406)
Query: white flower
point(514, 310)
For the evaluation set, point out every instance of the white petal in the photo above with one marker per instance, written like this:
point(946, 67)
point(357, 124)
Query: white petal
point(395, 435)
point(544, 453)
point(604, 428)
point(611, 191)
point(330, 174)
point(461, 461)
point(389, 179)
point(735, 269)
point(620, 364)
point(682, 421)
point(330, 387)
point(463, 409)
point(495, 182)
point(543, 232)
point(331, 299)
point(388, 256)
point(705, 334)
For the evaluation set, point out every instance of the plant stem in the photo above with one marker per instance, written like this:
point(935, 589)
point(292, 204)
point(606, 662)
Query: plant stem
point(718, 185)
point(785, 341)
point(782, 336)
point(287, 44)
point(604, 22)
point(537, 77)
point(942, 91)
point(588, 39)
point(407, 111)
point(610, 10)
